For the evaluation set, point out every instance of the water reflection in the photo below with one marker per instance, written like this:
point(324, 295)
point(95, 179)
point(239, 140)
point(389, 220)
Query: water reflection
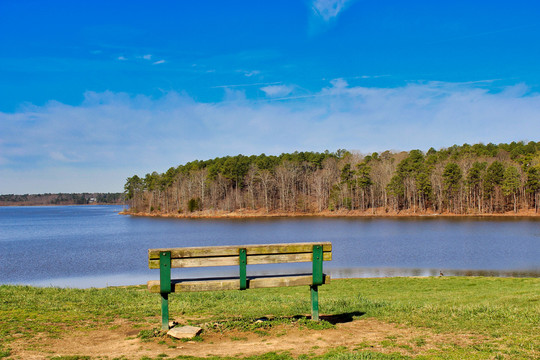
point(335, 273)
point(390, 272)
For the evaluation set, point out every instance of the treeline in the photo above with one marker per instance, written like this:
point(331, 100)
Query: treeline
point(62, 199)
point(467, 179)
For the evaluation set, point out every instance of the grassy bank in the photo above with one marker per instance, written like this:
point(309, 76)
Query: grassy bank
point(502, 314)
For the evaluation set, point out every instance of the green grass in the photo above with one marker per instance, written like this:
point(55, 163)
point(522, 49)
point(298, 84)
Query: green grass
point(506, 311)
point(4, 352)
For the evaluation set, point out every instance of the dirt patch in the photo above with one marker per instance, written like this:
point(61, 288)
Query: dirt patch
point(364, 334)
point(378, 212)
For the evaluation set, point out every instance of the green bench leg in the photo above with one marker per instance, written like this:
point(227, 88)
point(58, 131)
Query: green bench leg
point(314, 302)
point(164, 311)
point(165, 286)
point(317, 280)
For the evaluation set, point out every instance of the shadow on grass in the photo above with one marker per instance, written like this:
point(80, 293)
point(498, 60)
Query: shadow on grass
point(341, 318)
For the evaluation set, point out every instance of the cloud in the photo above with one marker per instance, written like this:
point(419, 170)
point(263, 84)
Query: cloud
point(245, 85)
point(147, 57)
point(339, 83)
point(329, 9)
point(234, 96)
point(251, 73)
point(117, 135)
point(61, 157)
point(277, 90)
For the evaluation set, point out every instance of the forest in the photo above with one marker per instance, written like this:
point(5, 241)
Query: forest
point(466, 179)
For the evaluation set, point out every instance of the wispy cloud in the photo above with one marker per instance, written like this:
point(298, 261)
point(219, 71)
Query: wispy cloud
point(368, 76)
point(245, 85)
point(277, 90)
point(147, 57)
point(62, 157)
point(324, 14)
point(329, 9)
point(118, 135)
point(251, 73)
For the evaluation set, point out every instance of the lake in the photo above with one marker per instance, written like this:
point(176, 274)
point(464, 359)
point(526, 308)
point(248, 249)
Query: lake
point(93, 246)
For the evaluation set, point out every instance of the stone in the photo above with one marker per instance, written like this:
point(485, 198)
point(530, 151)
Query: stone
point(172, 324)
point(184, 332)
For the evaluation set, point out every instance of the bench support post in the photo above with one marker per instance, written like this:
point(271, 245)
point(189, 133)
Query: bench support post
point(164, 311)
point(243, 263)
point(317, 280)
point(314, 302)
point(165, 286)
point(317, 265)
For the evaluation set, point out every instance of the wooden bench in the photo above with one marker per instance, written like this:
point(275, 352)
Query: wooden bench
point(241, 255)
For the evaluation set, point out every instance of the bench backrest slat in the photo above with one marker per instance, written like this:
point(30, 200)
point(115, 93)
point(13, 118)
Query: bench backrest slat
point(229, 255)
point(235, 260)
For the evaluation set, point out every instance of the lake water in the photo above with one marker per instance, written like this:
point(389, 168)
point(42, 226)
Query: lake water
point(93, 246)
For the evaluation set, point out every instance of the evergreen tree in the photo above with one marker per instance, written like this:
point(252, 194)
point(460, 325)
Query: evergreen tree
point(474, 182)
point(364, 181)
point(533, 184)
point(452, 183)
point(492, 182)
point(511, 183)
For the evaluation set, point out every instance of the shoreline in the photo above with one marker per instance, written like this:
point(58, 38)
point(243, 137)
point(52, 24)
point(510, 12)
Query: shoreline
point(378, 213)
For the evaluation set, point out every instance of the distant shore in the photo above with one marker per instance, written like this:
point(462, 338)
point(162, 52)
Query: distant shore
point(60, 199)
point(63, 204)
point(244, 214)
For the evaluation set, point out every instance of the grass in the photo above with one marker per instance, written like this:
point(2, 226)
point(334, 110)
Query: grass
point(505, 311)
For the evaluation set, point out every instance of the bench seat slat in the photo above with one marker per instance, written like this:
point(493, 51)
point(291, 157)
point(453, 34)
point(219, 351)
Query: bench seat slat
point(235, 260)
point(257, 249)
point(234, 283)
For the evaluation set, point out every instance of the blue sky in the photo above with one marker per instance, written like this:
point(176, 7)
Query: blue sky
point(92, 92)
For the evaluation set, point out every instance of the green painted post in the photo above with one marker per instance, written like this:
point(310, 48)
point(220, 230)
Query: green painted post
point(317, 265)
point(314, 302)
point(243, 263)
point(164, 311)
point(317, 280)
point(165, 286)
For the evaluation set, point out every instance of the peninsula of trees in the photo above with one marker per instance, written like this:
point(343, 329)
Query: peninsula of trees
point(468, 179)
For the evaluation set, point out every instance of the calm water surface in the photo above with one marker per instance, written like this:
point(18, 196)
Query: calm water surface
point(84, 246)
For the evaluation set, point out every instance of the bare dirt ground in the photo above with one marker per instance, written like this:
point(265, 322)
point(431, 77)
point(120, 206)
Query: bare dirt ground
point(120, 340)
point(379, 212)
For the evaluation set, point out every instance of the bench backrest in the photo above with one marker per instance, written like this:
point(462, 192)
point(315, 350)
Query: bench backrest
point(232, 255)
